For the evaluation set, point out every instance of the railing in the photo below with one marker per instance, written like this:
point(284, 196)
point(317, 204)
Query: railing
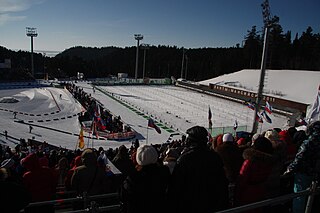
point(91, 206)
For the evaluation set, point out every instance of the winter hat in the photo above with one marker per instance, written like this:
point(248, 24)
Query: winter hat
point(227, 138)
point(7, 163)
point(197, 135)
point(263, 144)
point(146, 155)
point(272, 135)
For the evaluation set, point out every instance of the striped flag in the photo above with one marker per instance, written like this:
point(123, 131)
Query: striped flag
point(81, 140)
point(153, 125)
point(268, 107)
point(209, 118)
point(266, 117)
point(259, 117)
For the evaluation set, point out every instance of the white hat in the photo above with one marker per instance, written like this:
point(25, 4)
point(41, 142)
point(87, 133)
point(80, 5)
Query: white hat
point(146, 155)
point(227, 137)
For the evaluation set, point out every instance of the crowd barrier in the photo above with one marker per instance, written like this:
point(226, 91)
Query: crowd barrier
point(91, 206)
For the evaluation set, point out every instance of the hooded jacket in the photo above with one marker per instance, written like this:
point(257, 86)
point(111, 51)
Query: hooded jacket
point(39, 181)
point(254, 173)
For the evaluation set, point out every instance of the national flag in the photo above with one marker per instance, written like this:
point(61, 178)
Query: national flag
point(251, 105)
point(268, 107)
point(81, 139)
point(209, 118)
point(153, 125)
point(94, 129)
point(314, 112)
point(266, 117)
point(235, 125)
point(259, 117)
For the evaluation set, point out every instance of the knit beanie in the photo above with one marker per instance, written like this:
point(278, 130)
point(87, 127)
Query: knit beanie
point(146, 155)
point(227, 138)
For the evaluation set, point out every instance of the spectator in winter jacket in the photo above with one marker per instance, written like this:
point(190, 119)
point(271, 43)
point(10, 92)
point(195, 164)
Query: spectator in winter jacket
point(254, 173)
point(198, 181)
point(89, 177)
point(39, 181)
point(306, 166)
point(145, 189)
point(231, 157)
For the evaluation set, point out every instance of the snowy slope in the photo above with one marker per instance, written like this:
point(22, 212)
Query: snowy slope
point(295, 85)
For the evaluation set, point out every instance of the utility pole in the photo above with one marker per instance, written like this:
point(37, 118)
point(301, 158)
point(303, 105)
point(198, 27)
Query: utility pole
point(137, 37)
point(144, 47)
point(182, 63)
point(31, 32)
point(267, 26)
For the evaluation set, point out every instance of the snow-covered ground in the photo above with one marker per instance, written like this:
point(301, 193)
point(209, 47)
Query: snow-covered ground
point(55, 119)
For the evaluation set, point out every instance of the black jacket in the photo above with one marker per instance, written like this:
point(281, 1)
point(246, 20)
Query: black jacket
point(198, 182)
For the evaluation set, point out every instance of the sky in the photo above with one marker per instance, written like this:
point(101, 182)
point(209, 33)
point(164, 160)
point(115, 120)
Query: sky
point(170, 105)
point(62, 24)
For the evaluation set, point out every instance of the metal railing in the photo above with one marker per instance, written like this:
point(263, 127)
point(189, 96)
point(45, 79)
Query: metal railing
point(91, 206)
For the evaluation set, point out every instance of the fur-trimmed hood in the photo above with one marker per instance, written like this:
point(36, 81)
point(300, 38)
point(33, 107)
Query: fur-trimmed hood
point(257, 156)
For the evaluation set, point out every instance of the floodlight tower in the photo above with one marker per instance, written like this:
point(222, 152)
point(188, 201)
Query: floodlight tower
point(267, 26)
point(31, 32)
point(144, 47)
point(137, 37)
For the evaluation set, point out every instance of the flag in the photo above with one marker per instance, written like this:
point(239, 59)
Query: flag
point(81, 140)
point(153, 125)
point(235, 125)
point(209, 118)
point(314, 112)
point(259, 117)
point(268, 107)
point(94, 129)
point(266, 117)
point(251, 105)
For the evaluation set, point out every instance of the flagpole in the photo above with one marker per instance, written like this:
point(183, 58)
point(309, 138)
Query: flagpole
point(147, 135)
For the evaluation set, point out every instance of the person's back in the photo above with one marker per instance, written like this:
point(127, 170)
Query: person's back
point(89, 177)
point(145, 189)
point(198, 181)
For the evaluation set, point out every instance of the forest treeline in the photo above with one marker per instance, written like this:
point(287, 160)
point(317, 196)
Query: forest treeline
point(286, 51)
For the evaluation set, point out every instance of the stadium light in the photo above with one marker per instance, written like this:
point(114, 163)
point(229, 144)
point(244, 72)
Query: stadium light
point(144, 47)
point(31, 32)
point(137, 37)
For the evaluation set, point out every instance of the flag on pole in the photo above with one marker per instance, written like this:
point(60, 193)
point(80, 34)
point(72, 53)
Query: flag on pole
point(314, 112)
point(266, 117)
point(268, 107)
point(235, 125)
point(259, 117)
point(81, 139)
point(153, 125)
point(94, 129)
point(209, 118)
point(250, 105)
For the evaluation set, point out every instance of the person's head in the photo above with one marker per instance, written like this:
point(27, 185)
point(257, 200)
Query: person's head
point(227, 138)
point(197, 136)
point(146, 155)
point(272, 135)
point(263, 144)
point(88, 157)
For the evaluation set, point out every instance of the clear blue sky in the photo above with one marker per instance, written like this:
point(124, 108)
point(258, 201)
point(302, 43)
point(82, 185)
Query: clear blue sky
point(62, 24)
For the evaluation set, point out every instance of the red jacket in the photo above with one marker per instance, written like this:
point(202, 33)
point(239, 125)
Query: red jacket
point(39, 181)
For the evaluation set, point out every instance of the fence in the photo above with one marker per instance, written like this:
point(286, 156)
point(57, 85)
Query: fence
point(227, 129)
point(91, 206)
